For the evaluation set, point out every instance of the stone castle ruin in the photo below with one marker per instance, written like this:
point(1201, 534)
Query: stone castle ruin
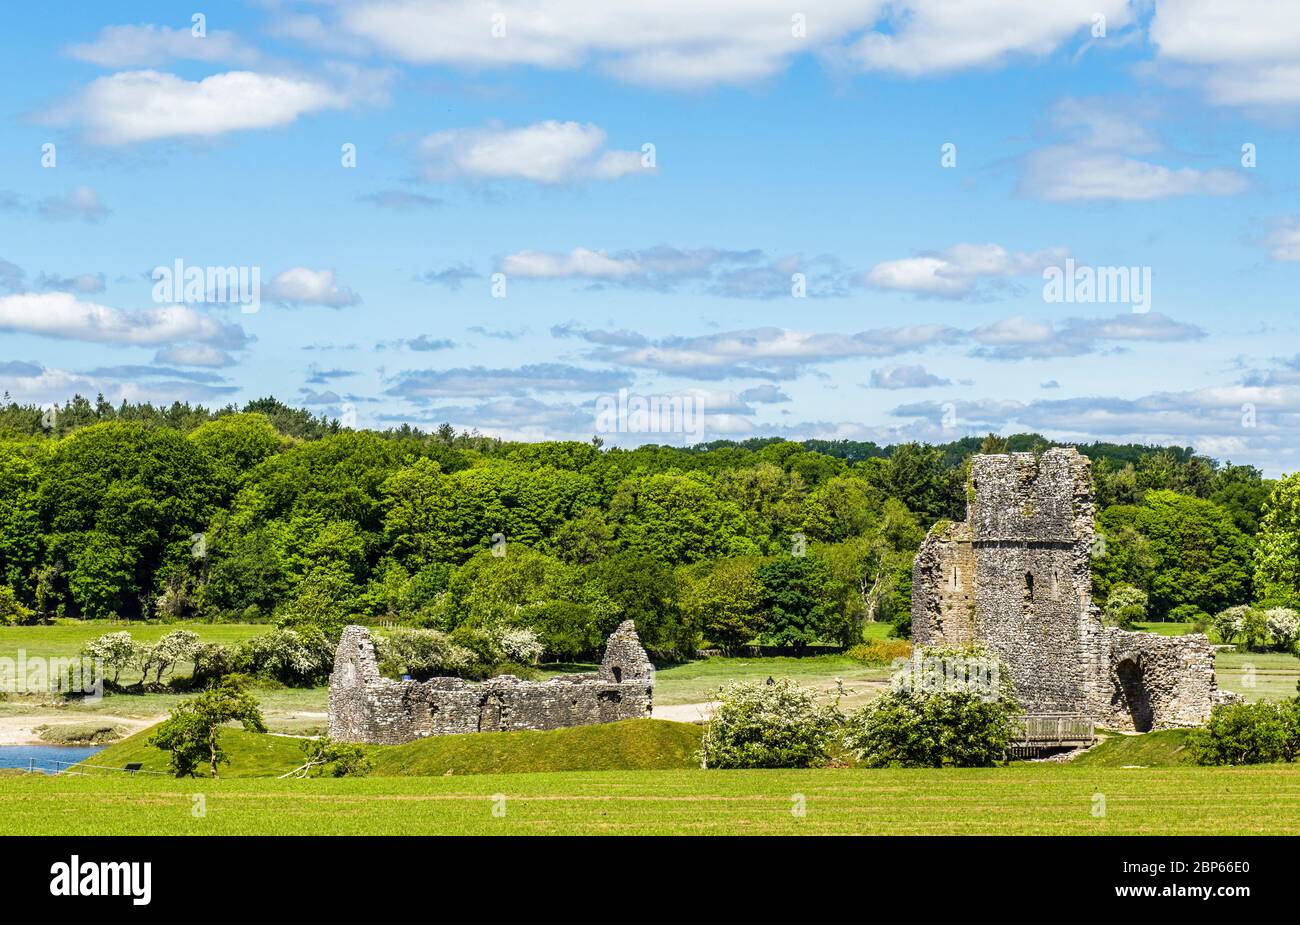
point(369, 708)
point(1015, 576)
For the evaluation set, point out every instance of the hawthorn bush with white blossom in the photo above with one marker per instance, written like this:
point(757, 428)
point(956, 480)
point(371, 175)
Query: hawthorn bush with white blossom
point(769, 725)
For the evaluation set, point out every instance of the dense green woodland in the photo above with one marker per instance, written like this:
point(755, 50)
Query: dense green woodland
point(267, 513)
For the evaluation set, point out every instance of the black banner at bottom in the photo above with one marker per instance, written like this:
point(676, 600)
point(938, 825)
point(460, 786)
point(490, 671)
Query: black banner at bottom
point(398, 874)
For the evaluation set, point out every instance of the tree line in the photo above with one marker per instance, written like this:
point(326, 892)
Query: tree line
point(267, 513)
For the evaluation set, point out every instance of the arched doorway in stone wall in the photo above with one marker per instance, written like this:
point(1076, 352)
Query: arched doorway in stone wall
point(1136, 698)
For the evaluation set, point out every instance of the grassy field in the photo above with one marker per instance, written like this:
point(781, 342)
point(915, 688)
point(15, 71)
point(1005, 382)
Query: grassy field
point(1022, 799)
point(1153, 749)
point(698, 681)
point(1165, 628)
point(637, 744)
point(296, 711)
point(65, 639)
point(1258, 675)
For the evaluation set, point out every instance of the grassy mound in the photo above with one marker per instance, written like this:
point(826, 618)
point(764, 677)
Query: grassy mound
point(251, 754)
point(78, 733)
point(631, 745)
point(1153, 749)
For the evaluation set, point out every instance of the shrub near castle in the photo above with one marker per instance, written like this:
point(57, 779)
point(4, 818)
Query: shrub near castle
point(949, 707)
point(777, 724)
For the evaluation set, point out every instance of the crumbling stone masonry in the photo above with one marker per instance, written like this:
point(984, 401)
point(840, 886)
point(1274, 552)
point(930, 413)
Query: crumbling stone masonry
point(1015, 576)
point(366, 707)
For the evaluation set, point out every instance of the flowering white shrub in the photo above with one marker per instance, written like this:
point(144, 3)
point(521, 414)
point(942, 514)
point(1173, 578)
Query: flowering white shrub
point(769, 725)
point(1283, 625)
point(1229, 624)
point(423, 654)
point(115, 651)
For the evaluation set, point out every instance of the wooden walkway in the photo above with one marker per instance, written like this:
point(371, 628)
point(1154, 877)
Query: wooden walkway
point(1050, 731)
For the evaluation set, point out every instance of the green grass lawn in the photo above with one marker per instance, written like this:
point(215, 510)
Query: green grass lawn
point(636, 744)
point(296, 711)
point(1258, 675)
point(66, 638)
point(1153, 749)
point(1165, 628)
point(698, 681)
point(1022, 799)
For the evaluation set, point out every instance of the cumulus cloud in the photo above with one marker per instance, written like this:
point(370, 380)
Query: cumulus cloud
point(62, 315)
point(1283, 241)
point(956, 272)
point(141, 106)
point(764, 394)
point(548, 153)
point(671, 44)
point(1019, 338)
point(1097, 161)
point(1212, 419)
point(770, 353)
point(930, 36)
point(1063, 174)
point(33, 383)
point(744, 274)
point(303, 286)
point(1243, 54)
point(905, 377)
point(194, 355)
point(774, 353)
point(149, 45)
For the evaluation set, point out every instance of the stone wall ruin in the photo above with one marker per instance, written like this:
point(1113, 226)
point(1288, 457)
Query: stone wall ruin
point(366, 707)
point(1015, 576)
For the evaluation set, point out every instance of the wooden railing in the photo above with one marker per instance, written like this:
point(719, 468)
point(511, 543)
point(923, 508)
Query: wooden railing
point(1054, 729)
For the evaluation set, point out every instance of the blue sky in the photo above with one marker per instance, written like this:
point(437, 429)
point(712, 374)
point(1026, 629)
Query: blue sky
point(650, 184)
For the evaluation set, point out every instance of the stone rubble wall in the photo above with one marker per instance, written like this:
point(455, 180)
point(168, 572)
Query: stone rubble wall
point(1016, 576)
point(368, 708)
point(1177, 680)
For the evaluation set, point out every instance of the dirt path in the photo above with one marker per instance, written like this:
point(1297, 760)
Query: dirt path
point(19, 730)
point(685, 712)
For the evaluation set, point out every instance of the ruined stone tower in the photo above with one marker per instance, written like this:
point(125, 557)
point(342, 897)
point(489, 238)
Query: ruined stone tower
point(1015, 576)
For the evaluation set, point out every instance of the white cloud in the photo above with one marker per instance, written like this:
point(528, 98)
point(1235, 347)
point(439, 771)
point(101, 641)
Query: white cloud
point(1244, 54)
point(303, 286)
point(62, 315)
point(957, 272)
point(545, 152)
point(138, 106)
point(1063, 174)
point(1097, 162)
point(932, 36)
point(150, 45)
point(1020, 338)
point(82, 283)
point(194, 355)
point(771, 353)
point(34, 384)
point(1283, 241)
point(671, 42)
point(905, 377)
point(679, 44)
point(740, 274)
point(580, 262)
